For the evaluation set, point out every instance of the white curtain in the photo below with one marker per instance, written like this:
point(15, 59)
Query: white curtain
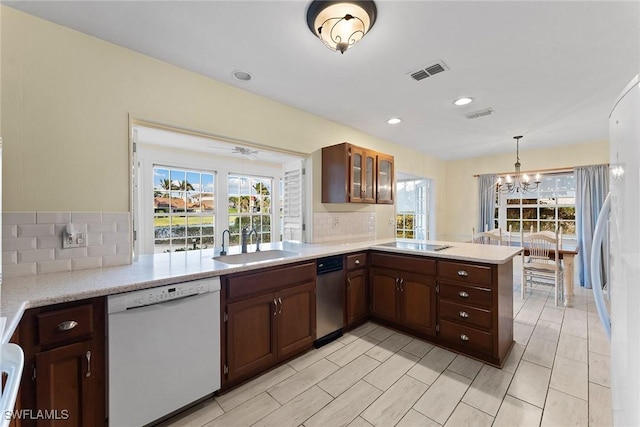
point(486, 199)
point(592, 186)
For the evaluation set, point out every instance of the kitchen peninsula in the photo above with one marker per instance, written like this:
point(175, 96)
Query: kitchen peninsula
point(456, 295)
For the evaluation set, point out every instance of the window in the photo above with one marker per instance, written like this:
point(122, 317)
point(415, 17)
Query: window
point(412, 213)
point(551, 206)
point(183, 209)
point(187, 189)
point(250, 207)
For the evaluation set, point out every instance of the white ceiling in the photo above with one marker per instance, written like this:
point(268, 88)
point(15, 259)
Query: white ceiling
point(551, 70)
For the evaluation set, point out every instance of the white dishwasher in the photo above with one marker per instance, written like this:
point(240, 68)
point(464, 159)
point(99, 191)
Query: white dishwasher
point(164, 350)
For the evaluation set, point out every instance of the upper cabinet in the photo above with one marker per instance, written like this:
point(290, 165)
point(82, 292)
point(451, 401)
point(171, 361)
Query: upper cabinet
point(352, 174)
point(384, 178)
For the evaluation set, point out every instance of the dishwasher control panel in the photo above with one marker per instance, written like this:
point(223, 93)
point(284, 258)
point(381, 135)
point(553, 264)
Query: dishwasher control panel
point(162, 294)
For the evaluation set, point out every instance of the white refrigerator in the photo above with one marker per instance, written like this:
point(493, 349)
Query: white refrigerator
point(624, 237)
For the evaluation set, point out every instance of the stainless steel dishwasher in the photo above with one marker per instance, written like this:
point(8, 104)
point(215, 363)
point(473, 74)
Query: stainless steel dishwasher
point(330, 293)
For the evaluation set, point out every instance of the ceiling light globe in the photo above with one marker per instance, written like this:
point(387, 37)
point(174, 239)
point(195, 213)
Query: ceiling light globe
point(341, 24)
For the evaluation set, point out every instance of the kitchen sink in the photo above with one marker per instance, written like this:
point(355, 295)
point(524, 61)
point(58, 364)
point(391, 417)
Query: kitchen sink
point(250, 257)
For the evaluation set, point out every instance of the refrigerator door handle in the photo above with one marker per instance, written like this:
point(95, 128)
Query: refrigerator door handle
point(596, 278)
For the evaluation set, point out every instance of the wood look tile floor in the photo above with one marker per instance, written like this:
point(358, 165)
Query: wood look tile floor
point(556, 375)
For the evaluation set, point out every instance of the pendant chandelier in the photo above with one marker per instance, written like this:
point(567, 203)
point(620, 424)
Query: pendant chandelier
point(341, 24)
point(520, 182)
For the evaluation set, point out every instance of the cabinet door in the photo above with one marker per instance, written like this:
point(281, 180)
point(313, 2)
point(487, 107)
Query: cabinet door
point(356, 165)
point(65, 384)
point(418, 296)
point(356, 296)
point(251, 343)
point(369, 177)
point(385, 179)
point(296, 319)
point(384, 287)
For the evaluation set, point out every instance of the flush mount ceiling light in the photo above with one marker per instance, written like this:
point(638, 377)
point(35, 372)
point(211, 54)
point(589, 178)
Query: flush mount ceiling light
point(463, 101)
point(520, 182)
point(394, 120)
point(243, 76)
point(341, 24)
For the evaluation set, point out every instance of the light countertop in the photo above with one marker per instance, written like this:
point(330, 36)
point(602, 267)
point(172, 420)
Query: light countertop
point(21, 293)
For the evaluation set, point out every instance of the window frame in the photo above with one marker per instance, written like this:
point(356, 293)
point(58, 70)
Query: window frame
point(426, 206)
point(149, 155)
point(501, 207)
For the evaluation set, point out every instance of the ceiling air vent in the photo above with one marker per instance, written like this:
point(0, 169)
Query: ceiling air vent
point(480, 113)
point(428, 71)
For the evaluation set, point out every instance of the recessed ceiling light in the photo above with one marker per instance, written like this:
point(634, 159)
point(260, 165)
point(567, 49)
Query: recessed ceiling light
point(243, 76)
point(394, 121)
point(463, 101)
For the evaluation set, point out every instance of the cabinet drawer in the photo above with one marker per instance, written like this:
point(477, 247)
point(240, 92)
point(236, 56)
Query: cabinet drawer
point(356, 261)
point(468, 295)
point(467, 337)
point(65, 324)
point(468, 273)
point(269, 280)
point(415, 264)
point(465, 314)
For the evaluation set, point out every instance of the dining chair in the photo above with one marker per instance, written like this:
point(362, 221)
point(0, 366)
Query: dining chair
point(493, 237)
point(541, 261)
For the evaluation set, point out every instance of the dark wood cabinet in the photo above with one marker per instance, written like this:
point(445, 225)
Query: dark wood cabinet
point(461, 305)
point(356, 309)
point(269, 316)
point(64, 382)
point(403, 292)
point(475, 306)
point(352, 174)
point(384, 178)
point(64, 370)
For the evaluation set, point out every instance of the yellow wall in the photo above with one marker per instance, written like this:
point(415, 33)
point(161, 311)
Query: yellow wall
point(462, 186)
point(67, 97)
point(66, 100)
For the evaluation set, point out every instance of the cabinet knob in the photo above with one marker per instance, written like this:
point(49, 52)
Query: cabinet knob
point(462, 273)
point(357, 262)
point(66, 325)
point(463, 294)
point(280, 302)
point(464, 337)
point(464, 314)
point(275, 307)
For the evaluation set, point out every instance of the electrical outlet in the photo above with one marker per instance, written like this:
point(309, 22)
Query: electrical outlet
point(390, 222)
point(74, 236)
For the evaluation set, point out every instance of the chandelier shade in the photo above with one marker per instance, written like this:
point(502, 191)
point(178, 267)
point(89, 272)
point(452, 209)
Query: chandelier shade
point(341, 24)
point(520, 183)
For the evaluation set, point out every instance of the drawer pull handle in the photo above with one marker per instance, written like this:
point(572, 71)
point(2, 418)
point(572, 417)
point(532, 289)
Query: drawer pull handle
point(88, 356)
point(275, 307)
point(66, 325)
point(462, 273)
point(464, 314)
point(357, 262)
point(463, 294)
point(464, 337)
point(397, 283)
point(280, 302)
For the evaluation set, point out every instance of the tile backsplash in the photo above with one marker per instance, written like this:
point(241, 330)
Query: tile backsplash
point(337, 226)
point(32, 241)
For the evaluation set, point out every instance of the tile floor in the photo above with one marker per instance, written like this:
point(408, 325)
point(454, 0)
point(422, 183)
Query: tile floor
point(556, 375)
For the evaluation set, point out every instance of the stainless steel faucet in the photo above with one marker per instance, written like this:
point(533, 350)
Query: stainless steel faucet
point(245, 234)
point(223, 252)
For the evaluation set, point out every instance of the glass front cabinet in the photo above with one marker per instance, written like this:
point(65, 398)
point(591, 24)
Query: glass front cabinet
point(352, 174)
